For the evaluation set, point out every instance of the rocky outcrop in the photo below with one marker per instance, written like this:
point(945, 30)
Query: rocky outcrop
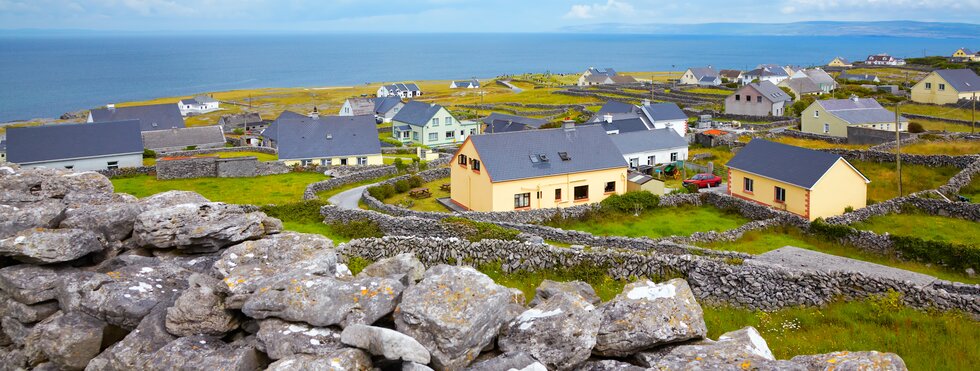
point(648, 314)
point(45, 246)
point(200, 310)
point(203, 227)
point(560, 332)
point(390, 344)
point(280, 339)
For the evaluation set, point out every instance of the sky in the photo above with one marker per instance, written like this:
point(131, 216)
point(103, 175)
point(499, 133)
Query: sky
point(451, 15)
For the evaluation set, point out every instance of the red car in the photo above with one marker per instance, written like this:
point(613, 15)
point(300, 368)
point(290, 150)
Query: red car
point(704, 180)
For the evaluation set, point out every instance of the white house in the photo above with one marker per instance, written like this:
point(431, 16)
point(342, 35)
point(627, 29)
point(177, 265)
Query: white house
point(772, 73)
point(650, 147)
point(198, 105)
point(469, 84)
point(665, 116)
point(597, 76)
point(80, 147)
point(409, 90)
point(357, 107)
point(884, 59)
point(704, 76)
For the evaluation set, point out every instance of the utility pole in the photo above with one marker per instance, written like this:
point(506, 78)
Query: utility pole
point(898, 148)
point(973, 115)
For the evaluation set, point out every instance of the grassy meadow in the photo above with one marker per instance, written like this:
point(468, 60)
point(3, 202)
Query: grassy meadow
point(423, 204)
point(944, 229)
point(270, 189)
point(884, 178)
point(952, 148)
point(659, 222)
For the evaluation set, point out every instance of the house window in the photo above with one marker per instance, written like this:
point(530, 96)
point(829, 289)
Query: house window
point(942, 87)
point(343, 161)
point(305, 162)
point(522, 200)
point(673, 156)
point(433, 136)
point(461, 160)
point(581, 193)
point(362, 160)
point(324, 162)
point(748, 185)
point(405, 134)
point(435, 121)
point(634, 162)
point(610, 187)
point(69, 167)
point(780, 194)
point(449, 134)
point(449, 120)
point(415, 136)
point(462, 133)
point(816, 113)
point(651, 160)
point(738, 97)
point(472, 131)
point(475, 164)
point(558, 194)
point(928, 85)
point(113, 165)
point(758, 99)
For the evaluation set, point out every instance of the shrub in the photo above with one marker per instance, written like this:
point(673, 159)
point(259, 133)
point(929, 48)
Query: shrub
point(354, 229)
point(831, 231)
point(238, 131)
point(849, 209)
point(952, 255)
point(402, 186)
point(400, 165)
point(303, 212)
point(356, 264)
point(190, 148)
point(691, 188)
point(631, 202)
point(415, 181)
point(149, 153)
point(382, 192)
point(732, 85)
point(392, 141)
point(915, 127)
point(477, 231)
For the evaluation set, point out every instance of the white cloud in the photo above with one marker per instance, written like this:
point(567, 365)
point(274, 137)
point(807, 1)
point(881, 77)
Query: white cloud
point(610, 8)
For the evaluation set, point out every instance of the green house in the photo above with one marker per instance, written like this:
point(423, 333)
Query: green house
point(430, 125)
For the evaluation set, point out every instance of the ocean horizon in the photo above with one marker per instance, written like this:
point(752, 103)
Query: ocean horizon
point(45, 76)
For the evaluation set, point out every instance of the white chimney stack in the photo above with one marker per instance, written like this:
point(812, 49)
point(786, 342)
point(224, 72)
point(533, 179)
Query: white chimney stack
point(110, 106)
point(646, 102)
point(608, 117)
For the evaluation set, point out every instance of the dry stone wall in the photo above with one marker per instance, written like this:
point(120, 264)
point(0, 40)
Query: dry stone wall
point(208, 151)
point(207, 167)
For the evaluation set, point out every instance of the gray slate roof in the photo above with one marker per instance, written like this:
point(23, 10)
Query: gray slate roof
point(627, 125)
point(302, 137)
point(503, 126)
point(200, 99)
point(384, 104)
point(859, 111)
point(701, 72)
point(416, 113)
point(963, 80)
point(67, 141)
point(615, 107)
point(664, 112)
point(531, 122)
point(794, 165)
point(272, 131)
point(775, 69)
point(819, 76)
point(599, 71)
point(801, 85)
point(361, 106)
point(507, 156)
point(467, 83)
point(410, 87)
point(241, 119)
point(151, 117)
point(859, 77)
point(183, 137)
point(729, 74)
point(770, 91)
point(648, 140)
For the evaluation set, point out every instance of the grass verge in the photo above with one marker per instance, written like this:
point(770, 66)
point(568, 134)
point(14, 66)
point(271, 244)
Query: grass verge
point(656, 223)
point(884, 178)
point(270, 189)
point(944, 229)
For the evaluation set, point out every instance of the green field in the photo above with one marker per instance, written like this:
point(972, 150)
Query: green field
point(817, 144)
point(884, 178)
point(932, 125)
point(935, 111)
point(423, 204)
point(927, 227)
point(258, 155)
point(952, 148)
point(720, 92)
point(271, 189)
point(659, 222)
point(972, 190)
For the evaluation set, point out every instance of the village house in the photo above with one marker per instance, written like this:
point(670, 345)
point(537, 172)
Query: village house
point(840, 62)
point(618, 117)
point(198, 105)
point(704, 76)
point(821, 78)
point(801, 86)
point(357, 107)
point(468, 84)
point(765, 72)
point(151, 117)
point(179, 139)
point(809, 183)
point(947, 86)
point(430, 125)
point(965, 55)
point(728, 76)
point(651, 147)
point(327, 140)
point(79, 147)
point(536, 169)
point(636, 181)
point(248, 121)
point(757, 99)
point(401, 90)
point(383, 108)
point(883, 59)
point(595, 76)
point(858, 77)
point(501, 122)
point(833, 116)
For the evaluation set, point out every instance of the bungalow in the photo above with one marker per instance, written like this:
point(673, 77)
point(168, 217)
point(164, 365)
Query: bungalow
point(179, 139)
point(500, 122)
point(947, 86)
point(833, 116)
point(401, 90)
point(801, 86)
point(386, 108)
point(665, 115)
point(965, 55)
point(327, 140)
point(858, 77)
point(840, 62)
point(198, 105)
point(430, 125)
point(536, 169)
point(729, 75)
point(757, 99)
point(651, 147)
point(811, 184)
point(249, 121)
point(151, 117)
point(357, 107)
point(470, 84)
point(595, 76)
point(771, 73)
point(81, 147)
point(884, 59)
point(705, 76)
point(618, 117)
point(821, 78)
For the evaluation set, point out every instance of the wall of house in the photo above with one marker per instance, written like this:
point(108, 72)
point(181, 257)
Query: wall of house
point(679, 126)
point(839, 188)
point(752, 108)
point(935, 96)
point(688, 78)
point(838, 127)
point(764, 192)
point(654, 186)
point(662, 156)
point(375, 159)
point(93, 163)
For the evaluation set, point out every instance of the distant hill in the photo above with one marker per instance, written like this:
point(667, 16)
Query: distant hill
point(828, 28)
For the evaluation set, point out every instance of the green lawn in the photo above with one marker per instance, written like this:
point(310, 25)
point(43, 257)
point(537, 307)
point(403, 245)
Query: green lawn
point(935, 111)
point(708, 91)
point(932, 125)
point(884, 178)
point(758, 242)
point(972, 190)
point(927, 227)
point(259, 155)
point(272, 189)
point(817, 144)
point(406, 158)
point(722, 155)
point(325, 195)
point(424, 204)
point(952, 148)
point(660, 222)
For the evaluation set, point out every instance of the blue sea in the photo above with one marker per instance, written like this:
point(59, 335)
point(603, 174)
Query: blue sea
point(47, 76)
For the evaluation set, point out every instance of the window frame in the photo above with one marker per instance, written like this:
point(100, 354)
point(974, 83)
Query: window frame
point(606, 190)
point(575, 192)
point(462, 160)
point(435, 138)
point(777, 190)
point(929, 85)
point(522, 200)
point(475, 165)
point(558, 195)
point(748, 185)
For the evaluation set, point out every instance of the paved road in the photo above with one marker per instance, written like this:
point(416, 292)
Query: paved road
point(723, 189)
point(348, 199)
point(797, 258)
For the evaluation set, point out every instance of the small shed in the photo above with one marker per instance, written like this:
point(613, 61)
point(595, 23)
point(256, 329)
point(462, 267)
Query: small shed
point(642, 182)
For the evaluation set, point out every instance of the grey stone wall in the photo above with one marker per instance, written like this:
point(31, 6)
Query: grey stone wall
point(129, 171)
point(856, 135)
point(802, 135)
point(208, 151)
point(350, 178)
point(236, 167)
point(214, 167)
point(190, 167)
point(927, 160)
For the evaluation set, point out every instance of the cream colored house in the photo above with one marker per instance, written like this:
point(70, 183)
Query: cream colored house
point(840, 62)
point(947, 86)
point(833, 116)
point(805, 182)
point(966, 55)
point(537, 169)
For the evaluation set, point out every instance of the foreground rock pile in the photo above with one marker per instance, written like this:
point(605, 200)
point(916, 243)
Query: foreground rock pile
point(94, 280)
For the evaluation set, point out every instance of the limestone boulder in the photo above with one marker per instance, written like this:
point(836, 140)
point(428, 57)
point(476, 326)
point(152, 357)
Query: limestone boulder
point(70, 340)
point(347, 359)
point(170, 198)
point(609, 365)
point(32, 284)
point(252, 264)
point(325, 301)
point(454, 312)
point(125, 295)
point(390, 344)
point(549, 288)
point(506, 361)
point(735, 349)
point(560, 332)
point(22, 216)
point(127, 354)
point(113, 221)
point(63, 183)
point(403, 267)
point(26, 313)
point(204, 353)
point(647, 314)
point(280, 339)
point(204, 227)
point(200, 310)
point(46, 246)
point(851, 361)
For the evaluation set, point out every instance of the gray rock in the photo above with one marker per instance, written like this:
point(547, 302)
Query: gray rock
point(70, 340)
point(170, 198)
point(68, 290)
point(16, 331)
point(252, 264)
point(139, 344)
point(204, 353)
point(113, 221)
point(739, 349)
point(31, 284)
point(560, 332)
point(76, 199)
point(402, 267)
point(128, 293)
point(347, 359)
point(26, 313)
point(204, 227)
point(12, 358)
point(549, 288)
point(390, 344)
point(608, 365)
point(280, 339)
point(647, 314)
point(506, 361)
point(851, 361)
point(22, 216)
point(412, 366)
point(45, 246)
point(200, 309)
point(60, 185)
point(325, 301)
point(454, 312)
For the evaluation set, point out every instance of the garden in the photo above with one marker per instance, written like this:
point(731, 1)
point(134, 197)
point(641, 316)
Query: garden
point(413, 193)
point(915, 178)
point(262, 190)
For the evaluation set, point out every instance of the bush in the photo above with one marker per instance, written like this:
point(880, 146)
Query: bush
point(354, 229)
point(238, 131)
point(732, 85)
point(402, 186)
point(915, 127)
point(190, 148)
point(392, 141)
point(415, 181)
point(149, 153)
point(302, 212)
point(400, 165)
point(952, 255)
point(691, 188)
point(477, 231)
point(831, 231)
point(382, 192)
point(631, 202)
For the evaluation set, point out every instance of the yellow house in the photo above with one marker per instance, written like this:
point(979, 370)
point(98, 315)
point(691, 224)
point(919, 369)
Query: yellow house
point(833, 116)
point(964, 54)
point(805, 182)
point(537, 169)
point(840, 62)
point(325, 140)
point(947, 86)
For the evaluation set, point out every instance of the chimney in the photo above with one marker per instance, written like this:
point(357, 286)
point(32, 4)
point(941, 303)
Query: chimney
point(110, 106)
point(646, 102)
point(568, 125)
point(854, 97)
point(316, 114)
point(608, 117)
